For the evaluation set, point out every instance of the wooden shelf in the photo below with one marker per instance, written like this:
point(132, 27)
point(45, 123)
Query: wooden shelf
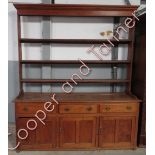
point(74, 62)
point(74, 41)
point(71, 10)
point(77, 80)
point(74, 10)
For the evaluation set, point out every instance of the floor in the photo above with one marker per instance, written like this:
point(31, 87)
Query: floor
point(140, 151)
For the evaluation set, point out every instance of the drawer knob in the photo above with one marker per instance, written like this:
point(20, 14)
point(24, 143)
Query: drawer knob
point(66, 109)
point(107, 108)
point(128, 107)
point(25, 109)
point(89, 108)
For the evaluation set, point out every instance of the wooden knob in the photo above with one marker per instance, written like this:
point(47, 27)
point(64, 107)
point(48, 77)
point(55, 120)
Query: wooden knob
point(128, 107)
point(66, 109)
point(107, 108)
point(89, 108)
point(25, 109)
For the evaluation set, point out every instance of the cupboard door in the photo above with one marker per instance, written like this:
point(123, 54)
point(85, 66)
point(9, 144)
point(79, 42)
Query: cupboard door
point(117, 132)
point(46, 135)
point(107, 131)
point(42, 138)
point(125, 131)
point(78, 132)
point(67, 132)
point(23, 131)
point(87, 132)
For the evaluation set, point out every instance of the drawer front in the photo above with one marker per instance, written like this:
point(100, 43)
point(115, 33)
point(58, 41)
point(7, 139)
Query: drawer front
point(119, 107)
point(32, 108)
point(77, 108)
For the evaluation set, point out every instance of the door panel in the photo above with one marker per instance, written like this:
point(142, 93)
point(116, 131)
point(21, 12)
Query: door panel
point(87, 132)
point(107, 131)
point(46, 134)
point(31, 139)
point(124, 130)
point(67, 132)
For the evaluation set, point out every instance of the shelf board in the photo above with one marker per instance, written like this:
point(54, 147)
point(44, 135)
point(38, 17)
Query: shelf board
point(74, 62)
point(74, 10)
point(77, 80)
point(74, 41)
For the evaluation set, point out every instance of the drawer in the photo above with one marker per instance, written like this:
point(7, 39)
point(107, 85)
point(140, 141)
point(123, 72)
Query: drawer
point(119, 107)
point(77, 108)
point(31, 108)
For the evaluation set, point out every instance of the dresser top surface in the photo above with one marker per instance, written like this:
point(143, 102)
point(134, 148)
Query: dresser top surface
point(77, 97)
